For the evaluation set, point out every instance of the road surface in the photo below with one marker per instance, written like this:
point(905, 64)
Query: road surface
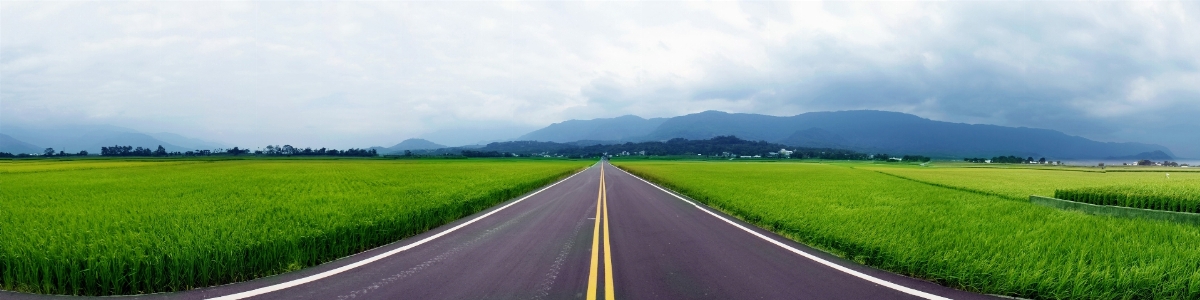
point(599, 234)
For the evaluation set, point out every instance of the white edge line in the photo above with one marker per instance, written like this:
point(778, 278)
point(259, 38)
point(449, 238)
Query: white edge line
point(318, 276)
point(838, 267)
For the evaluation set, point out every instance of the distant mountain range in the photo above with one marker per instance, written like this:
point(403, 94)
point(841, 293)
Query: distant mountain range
point(860, 130)
point(621, 128)
point(10, 145)
point(409, 144)
point(75, 138)
point(865, 131)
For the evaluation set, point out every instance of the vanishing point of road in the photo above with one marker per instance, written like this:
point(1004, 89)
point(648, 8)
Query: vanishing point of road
point(599, 234)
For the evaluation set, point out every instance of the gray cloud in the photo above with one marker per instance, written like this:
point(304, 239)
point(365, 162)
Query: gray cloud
point(354, 74)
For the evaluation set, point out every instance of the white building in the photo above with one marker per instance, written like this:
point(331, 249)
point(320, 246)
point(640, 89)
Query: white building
point(785, 153)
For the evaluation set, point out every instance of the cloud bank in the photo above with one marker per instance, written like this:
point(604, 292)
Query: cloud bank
point(355, 74)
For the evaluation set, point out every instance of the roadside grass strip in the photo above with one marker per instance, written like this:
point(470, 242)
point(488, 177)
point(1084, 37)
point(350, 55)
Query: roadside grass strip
point(974, 242)
point(148, 229)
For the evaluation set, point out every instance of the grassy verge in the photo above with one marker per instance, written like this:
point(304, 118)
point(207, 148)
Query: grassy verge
point(115, 228)
point(960, 239)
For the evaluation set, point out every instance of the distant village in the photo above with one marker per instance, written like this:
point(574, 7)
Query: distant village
point(1042, 161)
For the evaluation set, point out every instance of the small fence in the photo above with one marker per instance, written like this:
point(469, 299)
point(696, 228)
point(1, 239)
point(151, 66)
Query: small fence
point(1117, 211)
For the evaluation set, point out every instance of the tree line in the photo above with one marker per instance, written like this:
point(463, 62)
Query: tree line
point(271, 150)
point(288, 150)
point(911, 158)
point(118, 150)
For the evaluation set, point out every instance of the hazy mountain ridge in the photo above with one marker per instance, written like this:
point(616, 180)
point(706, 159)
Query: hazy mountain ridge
point(409, 144)
point(605, 129)
point(186, 142)
point(14, 146)
point(868, 131)
point(73, 138)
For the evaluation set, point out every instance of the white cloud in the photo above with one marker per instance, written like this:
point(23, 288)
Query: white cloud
point(353, 74)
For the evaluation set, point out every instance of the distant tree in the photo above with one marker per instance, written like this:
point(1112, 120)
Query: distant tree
point(160, 151)
point(407, 152)
point(48, 152)
point(83, 153)
point(915, 158)
point(1042, 160)
point(288, 150)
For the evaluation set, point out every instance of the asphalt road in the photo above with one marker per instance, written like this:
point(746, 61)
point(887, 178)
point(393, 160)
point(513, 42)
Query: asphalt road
point(587, 237)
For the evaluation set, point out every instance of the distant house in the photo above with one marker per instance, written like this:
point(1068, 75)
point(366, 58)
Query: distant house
point(785, 152)
point(746, 156)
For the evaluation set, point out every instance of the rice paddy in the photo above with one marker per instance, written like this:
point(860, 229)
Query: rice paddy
point(1018, 183)
point(967, 233)
point(1178, 196)
point(112, 227)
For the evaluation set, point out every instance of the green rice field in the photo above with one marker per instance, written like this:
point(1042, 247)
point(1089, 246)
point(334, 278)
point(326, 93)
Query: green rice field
point(115, 227)
point(962, 229)
point(1173, 195)
point(1018, 183)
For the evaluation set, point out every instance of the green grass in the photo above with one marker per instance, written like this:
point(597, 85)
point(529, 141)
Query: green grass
point(967, 240)
point(1174, 195)
point(110, 227)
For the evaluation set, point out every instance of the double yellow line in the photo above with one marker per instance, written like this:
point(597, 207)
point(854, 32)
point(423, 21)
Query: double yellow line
point(601, 205)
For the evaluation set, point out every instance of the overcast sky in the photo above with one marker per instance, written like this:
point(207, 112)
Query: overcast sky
point(358, 74)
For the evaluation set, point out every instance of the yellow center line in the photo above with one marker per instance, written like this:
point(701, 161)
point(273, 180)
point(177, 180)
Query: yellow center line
point(608, 280)
point(591, 291)
point(593, 280)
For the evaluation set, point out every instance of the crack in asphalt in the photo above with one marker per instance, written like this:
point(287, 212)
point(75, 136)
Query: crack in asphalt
point(543, 289)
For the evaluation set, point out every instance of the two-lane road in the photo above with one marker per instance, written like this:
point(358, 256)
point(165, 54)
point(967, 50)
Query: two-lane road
point(600, 234)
